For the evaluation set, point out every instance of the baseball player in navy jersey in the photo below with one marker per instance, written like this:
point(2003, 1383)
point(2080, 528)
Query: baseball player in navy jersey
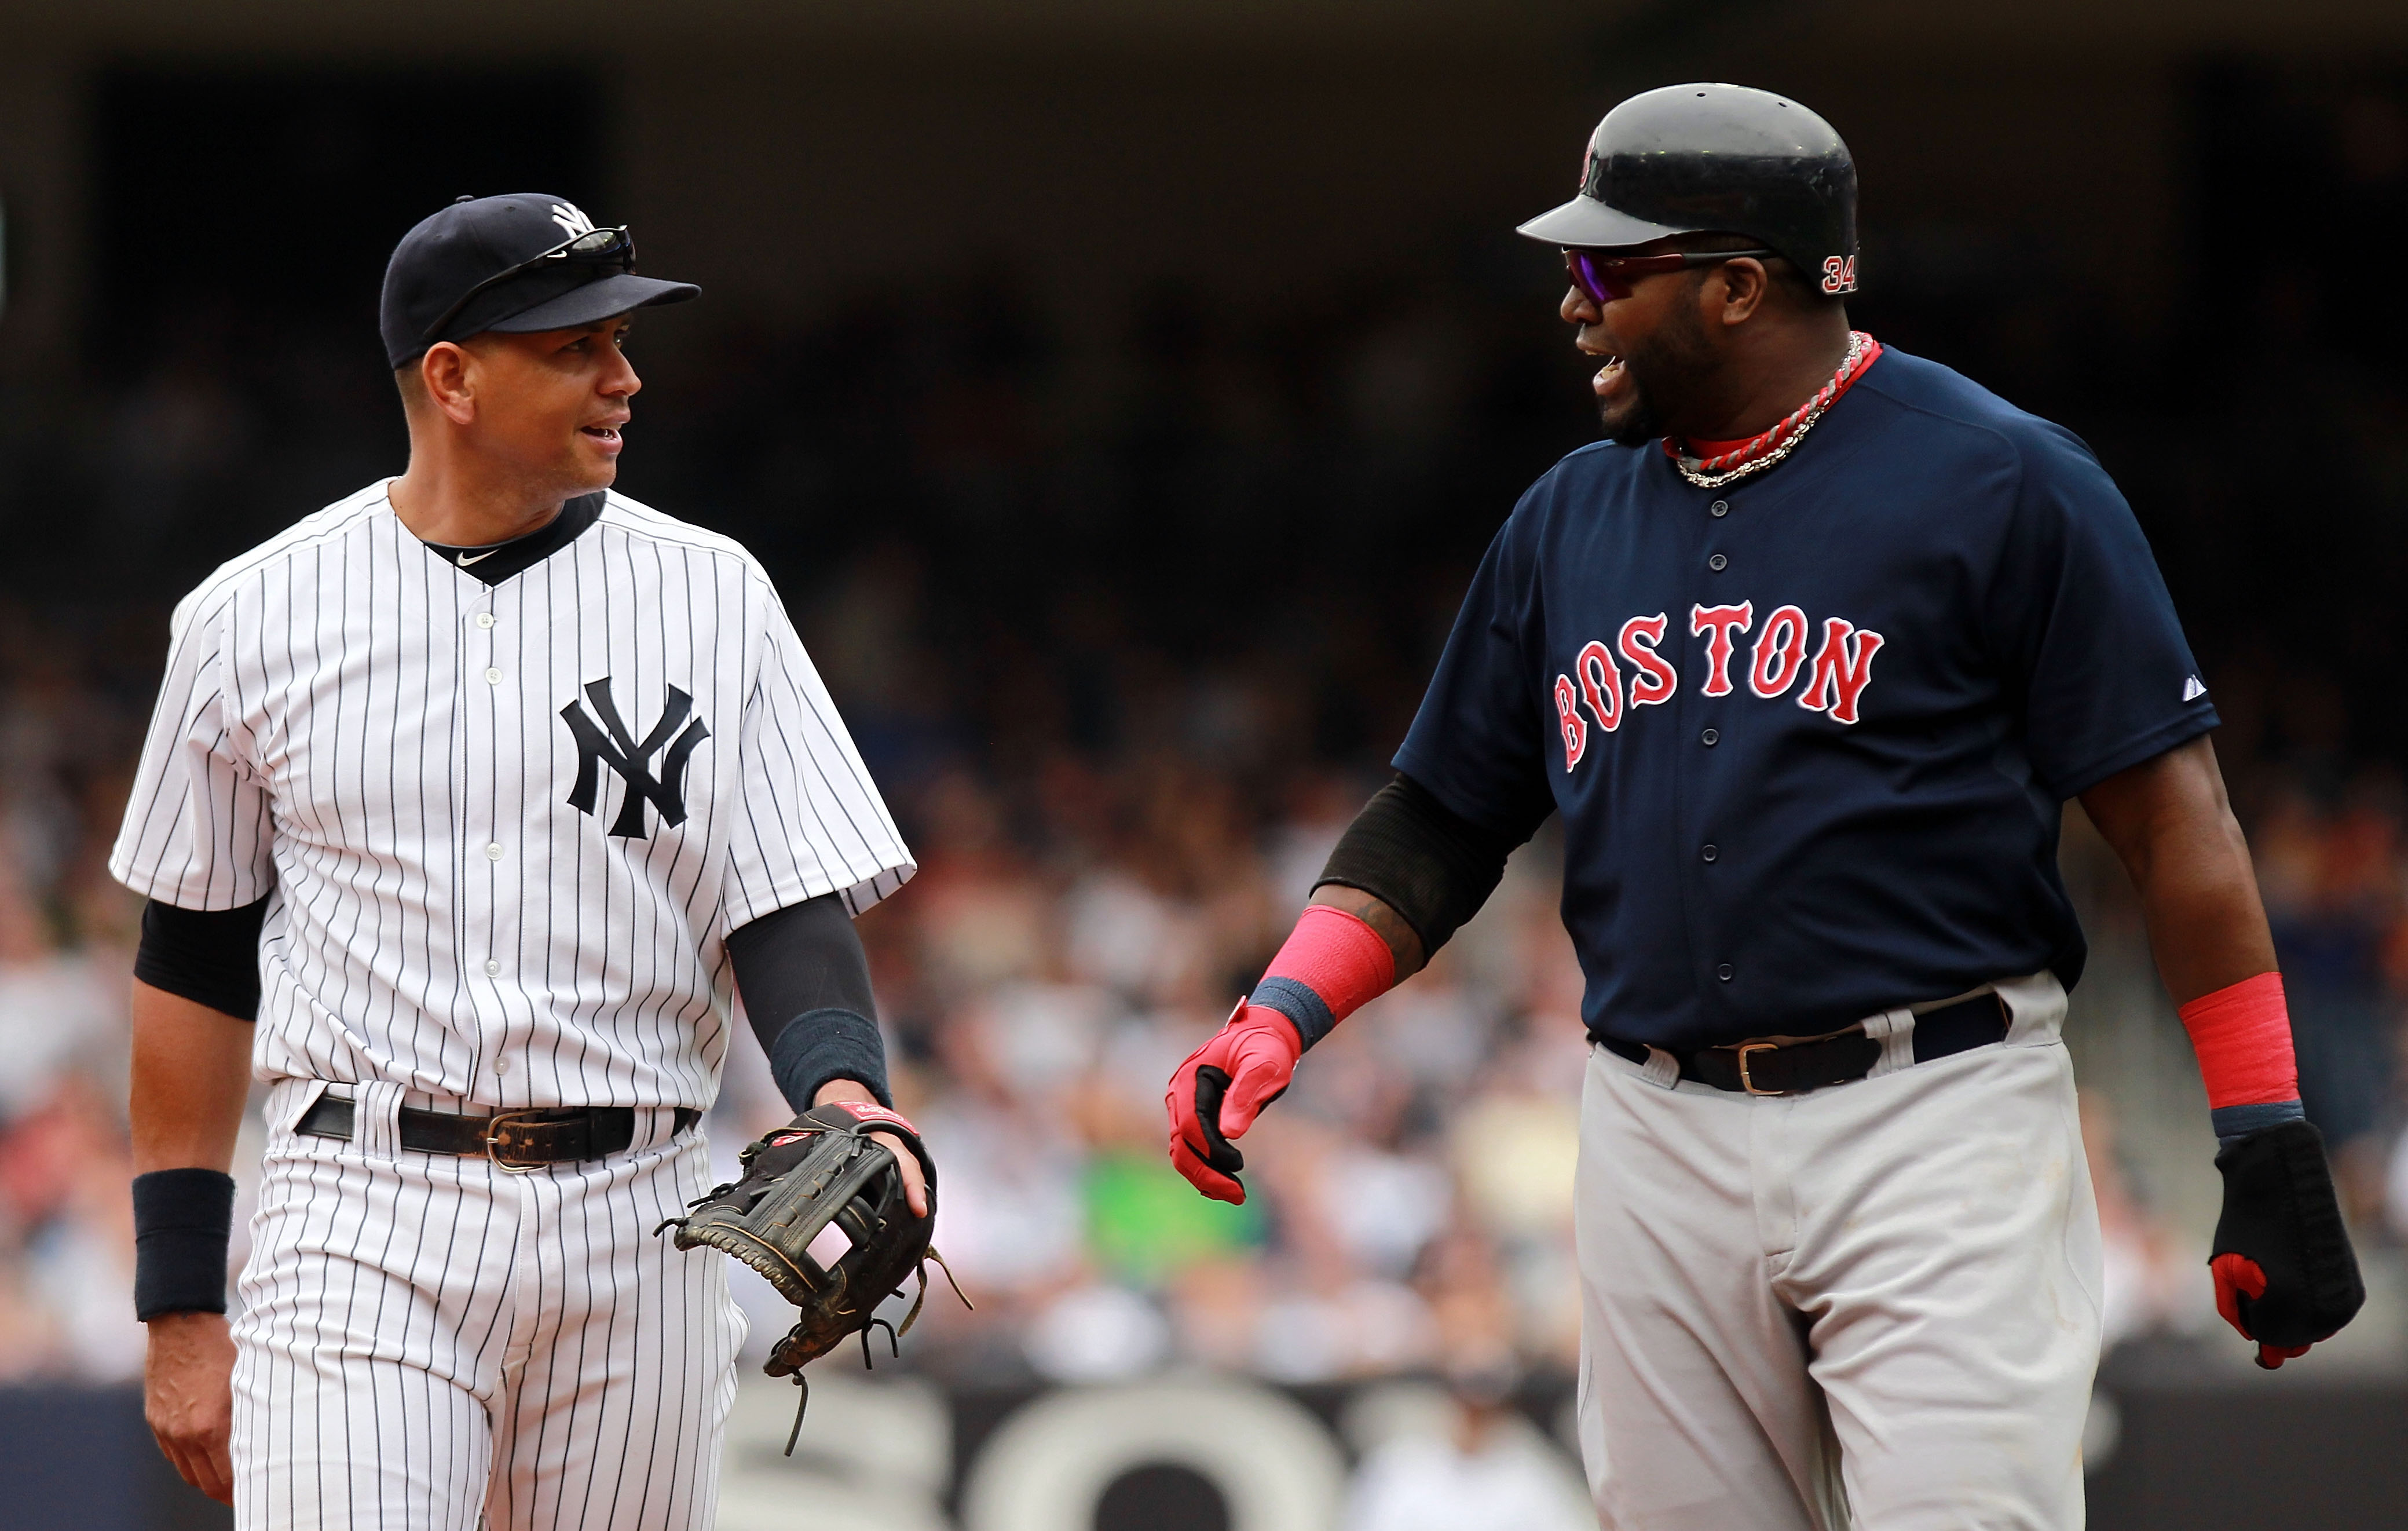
point(1808, 657)
point(469, 804)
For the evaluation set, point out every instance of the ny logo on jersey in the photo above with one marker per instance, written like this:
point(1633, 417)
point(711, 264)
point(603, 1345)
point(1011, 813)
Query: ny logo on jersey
point(608, 743)
point(571, 219)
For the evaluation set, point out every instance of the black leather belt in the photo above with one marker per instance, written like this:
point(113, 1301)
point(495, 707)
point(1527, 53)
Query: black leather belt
point(1773, 1068)
point(512, 1139)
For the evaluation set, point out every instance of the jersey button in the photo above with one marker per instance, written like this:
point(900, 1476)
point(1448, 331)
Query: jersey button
point(1717, 563)
point(485, 619)
point(493, 677)
point(492, 853)
point(492, 967)
point(1711, 738)
point(501, 1065)
point(1720, 506)
point(1710, 853)
point(1724, 972)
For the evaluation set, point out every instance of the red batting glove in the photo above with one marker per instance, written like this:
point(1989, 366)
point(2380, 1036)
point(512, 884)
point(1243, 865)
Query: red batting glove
point(1218, 1092)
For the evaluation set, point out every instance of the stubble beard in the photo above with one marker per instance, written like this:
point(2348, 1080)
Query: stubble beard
point(1636, 422)
point(1668, 362)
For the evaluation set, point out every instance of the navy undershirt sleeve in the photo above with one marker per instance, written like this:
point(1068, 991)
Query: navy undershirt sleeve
point(2080, 614)
point(806, 985)
point(207, 955)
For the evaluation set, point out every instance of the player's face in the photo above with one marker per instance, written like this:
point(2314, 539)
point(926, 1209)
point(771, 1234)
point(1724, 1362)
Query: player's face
point(551, 403)
point(1654, 347)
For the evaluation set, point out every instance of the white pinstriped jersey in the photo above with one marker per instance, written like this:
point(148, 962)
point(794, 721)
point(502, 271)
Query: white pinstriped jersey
point(504, 832)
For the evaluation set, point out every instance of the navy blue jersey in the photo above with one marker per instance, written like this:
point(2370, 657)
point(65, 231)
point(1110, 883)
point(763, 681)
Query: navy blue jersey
point(1811, 733)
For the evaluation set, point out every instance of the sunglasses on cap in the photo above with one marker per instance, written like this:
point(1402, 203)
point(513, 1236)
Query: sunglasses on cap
point(596, 247)
point(1602, 278)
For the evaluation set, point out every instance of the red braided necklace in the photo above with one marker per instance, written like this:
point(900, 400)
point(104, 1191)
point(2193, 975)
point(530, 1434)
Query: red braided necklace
point(1758, 453)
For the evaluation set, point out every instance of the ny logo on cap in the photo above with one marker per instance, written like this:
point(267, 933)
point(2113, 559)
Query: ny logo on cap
point(608, 743)
point(572, 221)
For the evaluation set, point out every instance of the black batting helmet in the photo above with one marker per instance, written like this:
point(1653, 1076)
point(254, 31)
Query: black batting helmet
point(1722, 159)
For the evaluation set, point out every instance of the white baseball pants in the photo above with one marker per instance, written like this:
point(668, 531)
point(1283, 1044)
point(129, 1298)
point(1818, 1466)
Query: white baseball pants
point(432, 1343)
point(1875, 1306)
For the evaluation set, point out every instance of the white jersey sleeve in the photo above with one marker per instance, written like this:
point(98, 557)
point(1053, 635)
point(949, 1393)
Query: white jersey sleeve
point(811, 822)
point(197, 828)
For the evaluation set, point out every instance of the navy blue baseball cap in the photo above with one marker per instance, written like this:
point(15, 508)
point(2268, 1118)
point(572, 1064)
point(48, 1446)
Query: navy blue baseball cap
point(512, 264)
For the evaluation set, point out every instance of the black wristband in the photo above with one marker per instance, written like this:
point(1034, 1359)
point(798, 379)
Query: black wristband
point(184, 1221)
point(822, 1044)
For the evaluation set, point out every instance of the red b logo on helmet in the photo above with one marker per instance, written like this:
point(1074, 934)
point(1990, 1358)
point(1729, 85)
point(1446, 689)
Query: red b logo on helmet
point(1839, 273)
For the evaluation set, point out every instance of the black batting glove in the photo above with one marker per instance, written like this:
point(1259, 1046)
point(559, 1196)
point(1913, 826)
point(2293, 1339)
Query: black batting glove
point(2285, 1273)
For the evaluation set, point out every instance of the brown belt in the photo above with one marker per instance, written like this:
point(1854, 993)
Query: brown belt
point(558, 1134)
point(1786, 1068)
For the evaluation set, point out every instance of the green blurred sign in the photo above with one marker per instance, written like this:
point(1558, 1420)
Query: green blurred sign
point(1144, 1222)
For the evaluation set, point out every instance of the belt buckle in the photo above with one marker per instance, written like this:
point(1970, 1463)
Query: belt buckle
point(508, 1132)
point(1744, 1082)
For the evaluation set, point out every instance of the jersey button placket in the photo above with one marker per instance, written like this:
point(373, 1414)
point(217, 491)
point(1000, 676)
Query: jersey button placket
point(487, 888)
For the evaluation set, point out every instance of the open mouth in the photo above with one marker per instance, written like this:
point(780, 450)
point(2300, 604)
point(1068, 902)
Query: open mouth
point(1608, 377)
point(604, 435)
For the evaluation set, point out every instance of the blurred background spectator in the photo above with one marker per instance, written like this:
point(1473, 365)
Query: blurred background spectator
point(1460, 1461)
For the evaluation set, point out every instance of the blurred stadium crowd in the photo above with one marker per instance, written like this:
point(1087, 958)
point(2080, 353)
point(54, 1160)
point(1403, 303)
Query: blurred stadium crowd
point(1126, 643)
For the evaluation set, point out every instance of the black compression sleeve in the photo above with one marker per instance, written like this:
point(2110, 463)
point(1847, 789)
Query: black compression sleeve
point(210, 957)
point(805, 986)
point(1421, 859)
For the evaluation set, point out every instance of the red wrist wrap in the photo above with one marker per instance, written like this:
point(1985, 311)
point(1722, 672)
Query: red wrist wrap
point(1337, 956)
point(2243, 1035)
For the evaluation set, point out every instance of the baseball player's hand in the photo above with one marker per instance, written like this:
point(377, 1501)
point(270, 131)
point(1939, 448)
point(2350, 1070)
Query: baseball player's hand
point(188, 1398)
point(915, 1183)
point(2285, 1273)
point(1218, 1092)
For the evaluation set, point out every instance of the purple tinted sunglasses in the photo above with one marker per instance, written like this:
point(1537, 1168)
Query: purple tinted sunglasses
point(1602, 278)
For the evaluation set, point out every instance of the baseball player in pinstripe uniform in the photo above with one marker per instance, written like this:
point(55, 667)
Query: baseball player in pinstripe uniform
point(469, 804)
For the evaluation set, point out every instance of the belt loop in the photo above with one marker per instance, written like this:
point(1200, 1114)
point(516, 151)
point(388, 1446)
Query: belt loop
point(654, 1126)
point(376, 1120)
point(1663, 1070)
point(2035, 1008)
point(289, 1100)
point(1895, 1030)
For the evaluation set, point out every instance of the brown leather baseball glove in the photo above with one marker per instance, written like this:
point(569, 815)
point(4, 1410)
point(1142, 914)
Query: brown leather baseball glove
point(822, 1168)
